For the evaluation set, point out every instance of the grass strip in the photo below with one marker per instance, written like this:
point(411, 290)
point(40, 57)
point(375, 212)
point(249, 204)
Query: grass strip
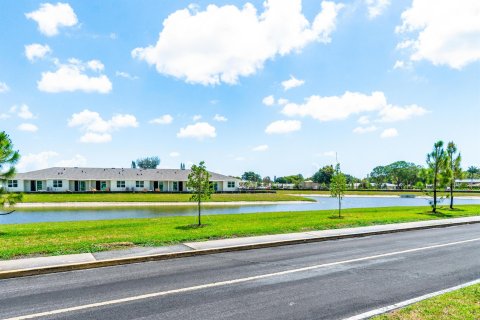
point(33, 239)
point(462, 304)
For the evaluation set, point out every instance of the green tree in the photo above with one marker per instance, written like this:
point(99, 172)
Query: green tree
point(472, 171)
point(453, 168)
point(324, 175)
point(251, 176)
point(338, 185)
point(8, 159)
point(148, 162)
point(436, 162)
point(133, 165)
point(199, 183)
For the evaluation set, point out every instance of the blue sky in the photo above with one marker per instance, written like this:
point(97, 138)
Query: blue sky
point(276, 87)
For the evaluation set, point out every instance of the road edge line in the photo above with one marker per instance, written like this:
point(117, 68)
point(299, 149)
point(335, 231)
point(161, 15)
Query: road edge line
point(398, 305)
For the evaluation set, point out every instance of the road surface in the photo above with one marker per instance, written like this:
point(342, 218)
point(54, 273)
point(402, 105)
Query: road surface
point(325, 280)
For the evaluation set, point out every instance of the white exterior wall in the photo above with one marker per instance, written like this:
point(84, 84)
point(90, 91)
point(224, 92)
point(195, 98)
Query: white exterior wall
point(65, 186)
point(20, 187)
point(226, 188)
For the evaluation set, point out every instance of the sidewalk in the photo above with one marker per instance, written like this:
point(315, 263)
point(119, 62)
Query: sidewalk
point(41, 265)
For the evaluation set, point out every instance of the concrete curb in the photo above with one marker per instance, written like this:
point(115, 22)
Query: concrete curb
point(183, 254)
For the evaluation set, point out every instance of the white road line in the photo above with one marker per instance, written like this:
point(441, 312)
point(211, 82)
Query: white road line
point(405, 303)
point(231, 282)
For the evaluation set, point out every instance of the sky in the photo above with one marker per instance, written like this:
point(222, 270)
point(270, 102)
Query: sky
point(274, 86)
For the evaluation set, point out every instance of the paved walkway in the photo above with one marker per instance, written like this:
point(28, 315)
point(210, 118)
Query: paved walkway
point(41, 262)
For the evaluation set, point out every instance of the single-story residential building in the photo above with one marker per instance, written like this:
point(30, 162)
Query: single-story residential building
point(470, 183)
point(64, 179)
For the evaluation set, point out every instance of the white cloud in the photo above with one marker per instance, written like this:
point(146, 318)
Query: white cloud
point(3, 87)
point(269, 100)
point(220, 118)
point(400, 64)
point(292, 83)
point(125, 75)
point(35, 161)
point(221, 44)
point(362, 130)
point(364, 120)
point(283, 126)
point(165, 119)
point(442, 32)
point(260, 148)
point(42, 160)
point(72, 77)
point(393, 113)
point(50, 17)
point(389, 133)
point(4, 116)
point(92, 137)
point(22, 111)
point(196, 117)
point(376, 7)
point(282, 101)
point(28, 127)
point(36, 51)
point(199, 130)
point(98, 130)
point(351, 103)
point(174, 154)
point(77, 161)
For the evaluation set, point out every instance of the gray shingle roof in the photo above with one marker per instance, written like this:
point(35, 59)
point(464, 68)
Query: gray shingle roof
point(65, 173)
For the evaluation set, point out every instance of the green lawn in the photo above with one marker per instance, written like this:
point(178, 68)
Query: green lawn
point(463, 304)
point(377, 192)
point(89, 236)
point(156, 197)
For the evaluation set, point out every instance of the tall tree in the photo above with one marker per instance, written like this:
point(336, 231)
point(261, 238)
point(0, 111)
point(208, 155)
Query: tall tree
point(251, 176)
point(338, 185)
point(453, 167)
point(436, 162)
point(324, 175)
point(8, 159)
point(133, 165)
point(148, 162)
point(199, 183)
point(472, 171)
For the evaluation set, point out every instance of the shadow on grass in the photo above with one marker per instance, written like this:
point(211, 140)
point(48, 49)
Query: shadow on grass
point(336, 217)
point(191, 227)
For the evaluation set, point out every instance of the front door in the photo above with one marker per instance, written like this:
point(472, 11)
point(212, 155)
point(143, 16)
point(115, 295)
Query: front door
point(98, 186)
point(155, 185)
point(33, 186)
point(76, 186)
point(180, 186)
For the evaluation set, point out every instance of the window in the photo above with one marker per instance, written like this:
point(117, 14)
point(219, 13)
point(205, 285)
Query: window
point(57, 183)
point(120, 184)
point(215, 185)
point(83, 186)
point(231, 184)
point(103, 185)
point(139, 184)
point(13, 183)
point(39, 185)
point(175, 186)
point(160, 185)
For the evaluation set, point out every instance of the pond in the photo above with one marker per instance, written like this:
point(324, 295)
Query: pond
point(321, 203)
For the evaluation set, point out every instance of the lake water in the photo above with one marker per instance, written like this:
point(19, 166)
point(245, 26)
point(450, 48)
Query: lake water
point(321, 203)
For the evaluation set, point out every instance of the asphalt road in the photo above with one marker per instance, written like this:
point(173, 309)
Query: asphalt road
point(326, 280)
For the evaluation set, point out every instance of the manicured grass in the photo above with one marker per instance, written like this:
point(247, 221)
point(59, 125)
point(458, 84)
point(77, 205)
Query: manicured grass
point(156, 197)
point(463, 304)
point(89, 236)
point(378, 193)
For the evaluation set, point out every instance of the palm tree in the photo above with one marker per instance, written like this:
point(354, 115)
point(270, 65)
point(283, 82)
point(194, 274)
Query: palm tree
point(472, 171)
point(8, 158)
point(453, 169)
point(436, 161)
